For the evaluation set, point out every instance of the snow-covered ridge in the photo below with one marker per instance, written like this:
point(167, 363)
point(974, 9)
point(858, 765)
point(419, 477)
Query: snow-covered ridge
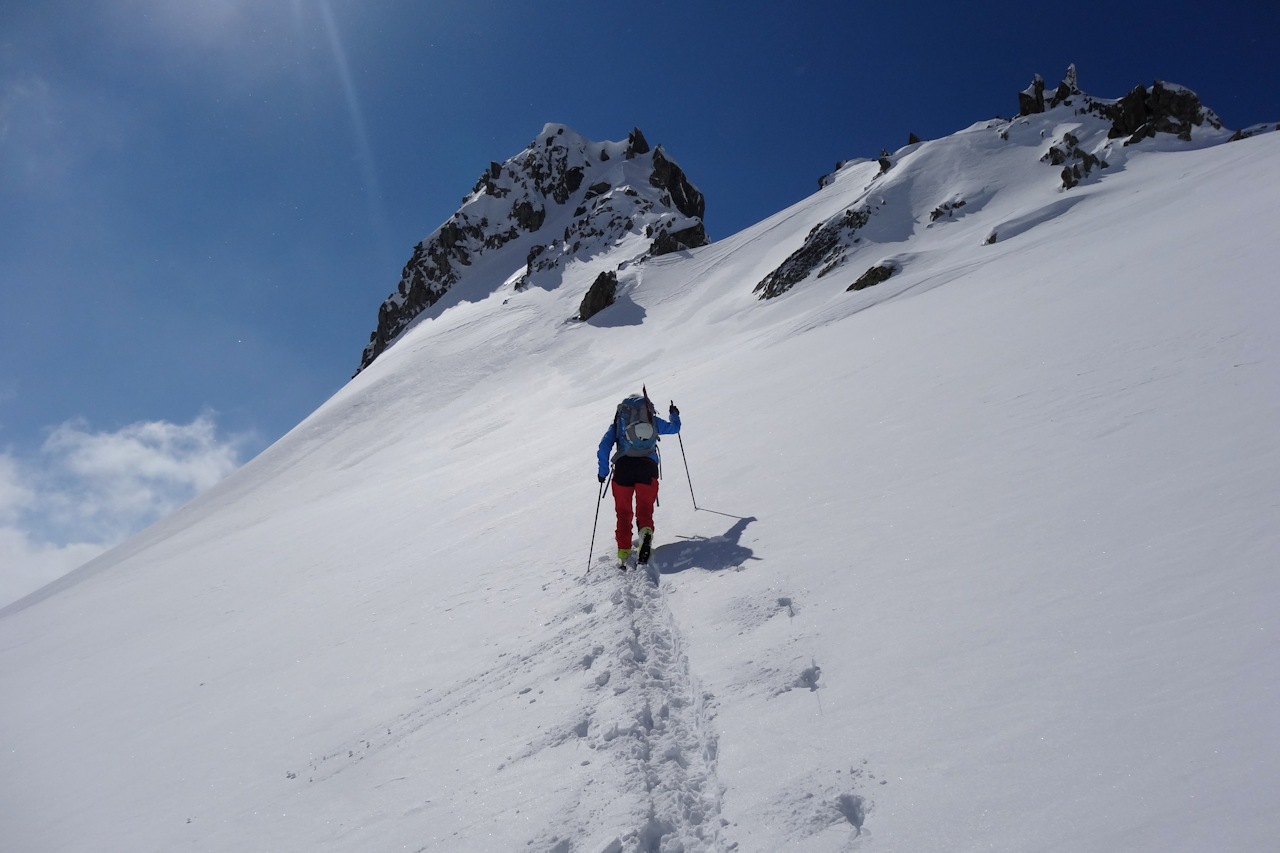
point(567, 199)
point(564, 197)
point(1056, 144)
point(1141, 114)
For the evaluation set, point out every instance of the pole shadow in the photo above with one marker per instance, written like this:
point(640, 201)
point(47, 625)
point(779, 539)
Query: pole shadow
point(709, 554)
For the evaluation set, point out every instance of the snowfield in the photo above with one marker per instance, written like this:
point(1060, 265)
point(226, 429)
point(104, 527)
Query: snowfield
point(984, 559)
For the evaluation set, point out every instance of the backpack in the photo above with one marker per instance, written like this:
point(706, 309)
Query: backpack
point(637, 435)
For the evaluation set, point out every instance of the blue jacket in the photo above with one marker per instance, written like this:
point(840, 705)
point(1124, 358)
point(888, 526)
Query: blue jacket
point(610, 440)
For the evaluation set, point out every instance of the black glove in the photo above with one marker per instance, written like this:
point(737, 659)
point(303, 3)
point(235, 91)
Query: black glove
point(601, 478)
point(673, 410)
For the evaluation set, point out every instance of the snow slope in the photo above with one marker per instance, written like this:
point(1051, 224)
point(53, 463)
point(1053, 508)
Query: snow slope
point(984, 559)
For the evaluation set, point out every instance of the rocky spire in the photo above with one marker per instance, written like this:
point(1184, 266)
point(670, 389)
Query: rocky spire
point(563, 197)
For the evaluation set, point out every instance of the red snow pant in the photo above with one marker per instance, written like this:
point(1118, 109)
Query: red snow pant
point(645, 496)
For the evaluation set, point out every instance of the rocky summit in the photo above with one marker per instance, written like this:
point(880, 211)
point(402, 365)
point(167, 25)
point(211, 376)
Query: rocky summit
point(562, 199)
point(1062, 138)
point(1141, 114)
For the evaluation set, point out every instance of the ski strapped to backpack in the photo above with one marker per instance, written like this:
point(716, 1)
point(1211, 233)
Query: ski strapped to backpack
point(634, 426)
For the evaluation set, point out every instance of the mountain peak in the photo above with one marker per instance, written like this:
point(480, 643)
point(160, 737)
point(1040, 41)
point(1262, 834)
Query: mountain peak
point(562, 199)
point(927, 186)
point(1145, 111)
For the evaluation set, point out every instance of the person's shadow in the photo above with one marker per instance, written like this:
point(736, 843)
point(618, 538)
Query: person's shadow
point(709, 554)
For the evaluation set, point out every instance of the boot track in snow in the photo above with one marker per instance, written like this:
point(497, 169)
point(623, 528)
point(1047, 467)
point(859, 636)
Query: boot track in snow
point(635, 722)
point(656, 720)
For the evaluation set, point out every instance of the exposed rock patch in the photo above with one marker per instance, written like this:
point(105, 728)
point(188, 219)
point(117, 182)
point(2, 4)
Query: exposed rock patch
point(668, 176)
point(1031, 99)
point(824, 248)
point(1076, 162)
point(675, 241)
point(1248, 132)
point(602, 294)
point(876, 275)
point(947, 209)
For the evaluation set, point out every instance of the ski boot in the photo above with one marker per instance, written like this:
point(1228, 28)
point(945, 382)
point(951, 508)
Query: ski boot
point(646, 545)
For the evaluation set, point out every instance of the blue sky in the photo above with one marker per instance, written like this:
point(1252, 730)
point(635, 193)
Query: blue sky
point(202, 204)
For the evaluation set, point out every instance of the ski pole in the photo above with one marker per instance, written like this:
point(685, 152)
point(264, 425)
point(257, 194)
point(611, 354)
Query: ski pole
point(603, 487)
point(686, 470)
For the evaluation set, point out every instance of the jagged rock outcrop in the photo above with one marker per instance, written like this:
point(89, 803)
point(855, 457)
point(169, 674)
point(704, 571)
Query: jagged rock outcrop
point(876, 275)
point(562, 199)
point(824, 248)
point(947, 208)
point(667, 176)
point(1076, 162)
point(667, 242)
point(1077, 134)
point(636, 144)
point(1031, 99)
point(602, 293)
point(1162, 108)
point(1068, 88)
point(1141, 114)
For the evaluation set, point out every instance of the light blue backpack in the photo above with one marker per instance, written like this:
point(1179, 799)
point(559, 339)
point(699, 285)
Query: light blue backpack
point(637, 433)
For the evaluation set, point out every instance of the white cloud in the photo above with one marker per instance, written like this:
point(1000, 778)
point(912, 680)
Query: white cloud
point(28, 565)
point(13, 494)
point(86, 491)
point(143, 471)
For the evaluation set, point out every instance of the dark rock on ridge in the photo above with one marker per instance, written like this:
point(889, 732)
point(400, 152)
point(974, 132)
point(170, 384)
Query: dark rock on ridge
point(1163, 108)
point(1142, 113)
point(1246, 133)
point(1079, 163)
point(676, 241)
point(1031, 99)
point(876, 275)
point(946, 209)
point(603, 292)
point(824, 247)
point(636, 144)
point(668, 176)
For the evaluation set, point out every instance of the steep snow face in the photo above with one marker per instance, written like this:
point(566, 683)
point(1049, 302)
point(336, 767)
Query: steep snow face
point(563, 199)
point(984, 554)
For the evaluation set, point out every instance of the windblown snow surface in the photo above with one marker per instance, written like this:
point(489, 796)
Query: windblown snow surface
point(984, 556)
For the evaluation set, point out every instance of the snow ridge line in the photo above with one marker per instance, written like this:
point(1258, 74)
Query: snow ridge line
point(664, 736)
